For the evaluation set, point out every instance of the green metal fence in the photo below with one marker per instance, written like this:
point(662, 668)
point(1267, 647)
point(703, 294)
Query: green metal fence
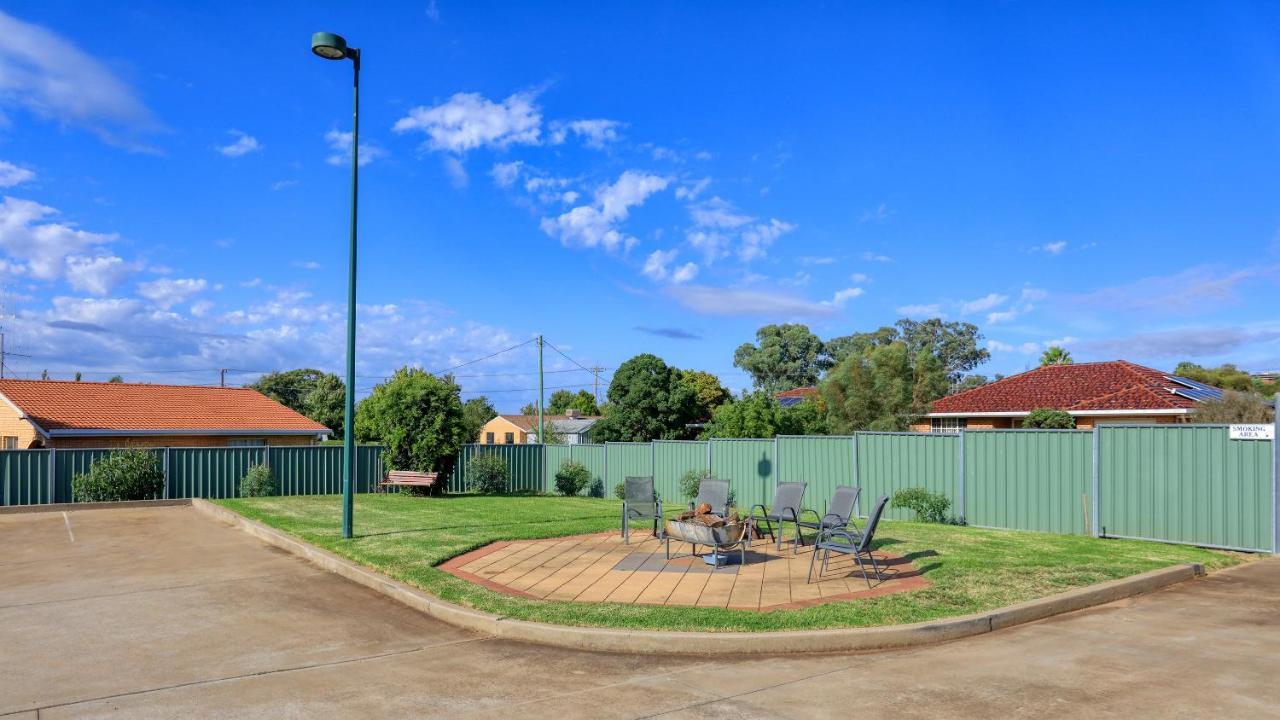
point(42, 476)
point(1172, 483)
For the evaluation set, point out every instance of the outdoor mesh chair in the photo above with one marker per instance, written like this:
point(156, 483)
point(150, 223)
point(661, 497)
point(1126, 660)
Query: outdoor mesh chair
point(839, 540)
point(839, 511)
point(785, 508)
point(714, 493)
point(640, 502)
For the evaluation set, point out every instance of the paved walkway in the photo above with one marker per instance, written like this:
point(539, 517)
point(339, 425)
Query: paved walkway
point(163, 613)
point(595, 568)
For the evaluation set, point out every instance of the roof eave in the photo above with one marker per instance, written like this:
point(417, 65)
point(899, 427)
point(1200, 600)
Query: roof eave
point(221, 432)
point(1024, 413)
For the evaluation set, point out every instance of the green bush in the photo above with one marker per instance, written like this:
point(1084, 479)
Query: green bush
point(122, 475)
point(928, 506)
point(1049, 419)
point(620, 491)
point(258, 482)
point(690, 481)
point(572, 478)
point(488, 474)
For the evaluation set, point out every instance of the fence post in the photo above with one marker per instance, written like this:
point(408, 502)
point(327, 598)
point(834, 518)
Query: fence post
point(1097, 501)
point(709, 473)
point(1275, 482)
point(166, 472)
point(53, 476)
point(777, 464)
point(963, 478)
point(606, 490)
point(857, 479)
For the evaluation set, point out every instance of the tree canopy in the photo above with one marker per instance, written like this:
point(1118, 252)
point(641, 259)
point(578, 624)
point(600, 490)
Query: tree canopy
point(418, 417)
point(1235, 407)
point(648, 400)
point(711, 394)
point(954, 344)
point(1049, 419)
point(562, 400)
point(1225, 376)
point(883, 388)
point(1055, 355)
point(786, 356)
point(475, 413)
point(317, 394)
point(758, 415)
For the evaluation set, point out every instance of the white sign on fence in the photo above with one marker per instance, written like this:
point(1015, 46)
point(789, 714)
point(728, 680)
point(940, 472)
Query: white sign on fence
point(1259, 431)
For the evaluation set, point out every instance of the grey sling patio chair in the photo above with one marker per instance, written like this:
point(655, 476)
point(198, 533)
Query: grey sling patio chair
point(786, 508)
point(850, 543)
point(839, 512)
point(714, 493)
point(640, 502)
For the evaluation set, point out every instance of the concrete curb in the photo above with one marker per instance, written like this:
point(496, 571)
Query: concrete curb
point(705, 643)
point(77, 507)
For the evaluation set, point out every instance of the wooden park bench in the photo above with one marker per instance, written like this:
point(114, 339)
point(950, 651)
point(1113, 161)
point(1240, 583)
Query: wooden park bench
point(407, 478)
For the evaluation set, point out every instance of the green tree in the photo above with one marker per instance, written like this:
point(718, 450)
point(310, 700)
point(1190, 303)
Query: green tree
point(1049, 419)
point(759, 415)
point(476, 412)
point(954, 344)
point(1055, 355)
point(529, 409)
point(316, 394)
point(1225, 376)
point(711, 394)
point(969, 382)
point(1235, 407)
point(787, 356)
point(882, 389)
point(562, 400)
point(418, 417)
point(116, 379)
point(647, 401)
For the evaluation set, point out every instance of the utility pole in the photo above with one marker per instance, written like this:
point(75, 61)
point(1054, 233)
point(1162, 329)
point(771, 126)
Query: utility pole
point(222, 377)
point(596, 370)
point(1, 356)
point(542, 438)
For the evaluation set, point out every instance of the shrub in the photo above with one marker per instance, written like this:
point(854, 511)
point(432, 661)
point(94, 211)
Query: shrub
point(122, 475)
point(572, 478)
point(488, 474)
point(620, 491)
point(689, 483)
point(928, 506)
point(258, 482)
point(1049, 419)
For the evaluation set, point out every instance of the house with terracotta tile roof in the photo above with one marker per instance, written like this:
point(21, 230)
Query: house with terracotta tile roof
point(523, 429)
point(795, 396)
point(1094, 393)
point(63, 413)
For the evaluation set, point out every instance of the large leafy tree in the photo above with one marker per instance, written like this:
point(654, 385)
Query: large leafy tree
point(1055, 355)
point(758, 415)
point(318, 395)
point(784, 357)
point(884, 388)
point(954, 344)
point(476, 412)
point(562, 400)
point(1235, 407)
point(711, 394)
point(418, 417)
point(1226, 376)
point(647, 401)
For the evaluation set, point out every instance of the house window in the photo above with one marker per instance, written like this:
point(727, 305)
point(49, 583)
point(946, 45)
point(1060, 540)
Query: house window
point(509, 438)
point(10, 442)
point(246, 442)
point(946, 425)
point(488, 438)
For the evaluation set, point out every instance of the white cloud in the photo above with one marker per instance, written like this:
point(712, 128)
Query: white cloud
point(282, 184)
point(736, 301)
point(1024, 304)
point(702, 155)
point(306, 264)
point(469, 120)
point(660, 153)
point(718, 213)
point(817, 260)
point(1054, 248)
point(998, 346)
point(52, 78)
point(201, 308)
point(166, 293)
point(875, 257)
point(43, 247)
point(859, 277)
point(843, 296)
point(983, 304)
point(930, 310)
point(11, 175)
point(595, 225)
point(691, 192)
point(655, 266)
point(712, 243)
point(757, 239)
point(879, 213)
point(595, 134)
point(1194, 290)
point(1184, 342)
point(242, 145)
point(340, 144)
point(505, 174)
point(685, 273)
point(97, 275)
point(456, 171)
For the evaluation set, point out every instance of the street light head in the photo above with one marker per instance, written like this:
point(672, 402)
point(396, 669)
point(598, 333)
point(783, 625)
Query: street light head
point(329, 46)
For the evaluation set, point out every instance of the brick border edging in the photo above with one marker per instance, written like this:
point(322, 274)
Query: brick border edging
point(77, 507)
point(663, 642)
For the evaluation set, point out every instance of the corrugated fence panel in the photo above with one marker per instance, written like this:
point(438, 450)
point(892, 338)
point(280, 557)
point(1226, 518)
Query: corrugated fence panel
point(211, 472)
point(593, 456)
point(749, 467)
point(69, 463)
point(1029, 479)
point(308, 471)
point(26, 477)
point(628, 460)
point(553, 456)
point(523, 461)
point(888, 462)
point(673, 458)
point(1185, 484)
point(823, 462)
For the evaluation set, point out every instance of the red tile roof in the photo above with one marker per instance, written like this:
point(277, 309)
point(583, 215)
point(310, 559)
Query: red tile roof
point(1112, 385)
point(67, 405)
point(800, 392)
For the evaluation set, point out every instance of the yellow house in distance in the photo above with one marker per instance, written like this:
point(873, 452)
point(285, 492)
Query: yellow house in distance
point(523, 429)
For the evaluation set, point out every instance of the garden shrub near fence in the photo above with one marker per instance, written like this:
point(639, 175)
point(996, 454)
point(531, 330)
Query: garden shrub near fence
point(122, 475)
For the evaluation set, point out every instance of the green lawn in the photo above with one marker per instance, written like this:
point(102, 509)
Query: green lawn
point(970, 569)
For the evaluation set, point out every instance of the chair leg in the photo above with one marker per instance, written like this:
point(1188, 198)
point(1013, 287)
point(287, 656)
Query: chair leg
point(825, 558)
point(875, 565)
point(863, 568)
point(626, 526)
point(812, 559)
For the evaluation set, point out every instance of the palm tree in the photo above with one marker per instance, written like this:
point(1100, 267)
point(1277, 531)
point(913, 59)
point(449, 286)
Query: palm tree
point(1055, 355)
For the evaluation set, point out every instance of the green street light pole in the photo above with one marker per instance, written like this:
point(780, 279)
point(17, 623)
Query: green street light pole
point(334, 47)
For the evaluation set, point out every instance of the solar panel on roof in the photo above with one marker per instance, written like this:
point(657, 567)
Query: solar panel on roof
point(1197, 391)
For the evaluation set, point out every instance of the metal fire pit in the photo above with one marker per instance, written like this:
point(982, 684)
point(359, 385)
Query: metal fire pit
point(727, 537)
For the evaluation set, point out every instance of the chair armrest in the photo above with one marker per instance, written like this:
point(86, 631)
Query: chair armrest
point(837, 533)
point(843, 521)
point(763, 510)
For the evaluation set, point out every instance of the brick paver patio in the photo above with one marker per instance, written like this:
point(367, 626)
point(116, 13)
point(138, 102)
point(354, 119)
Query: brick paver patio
point(600, 568)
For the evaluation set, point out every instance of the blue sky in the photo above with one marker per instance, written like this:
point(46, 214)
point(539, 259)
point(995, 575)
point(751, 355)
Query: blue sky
point(658, 177)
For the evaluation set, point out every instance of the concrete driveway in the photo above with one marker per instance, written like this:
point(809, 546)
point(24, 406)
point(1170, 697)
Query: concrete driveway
point(162, 612)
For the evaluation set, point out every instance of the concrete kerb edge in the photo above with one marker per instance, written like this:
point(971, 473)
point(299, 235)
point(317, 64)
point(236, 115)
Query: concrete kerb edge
point(79, 507)
point(704, 643)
